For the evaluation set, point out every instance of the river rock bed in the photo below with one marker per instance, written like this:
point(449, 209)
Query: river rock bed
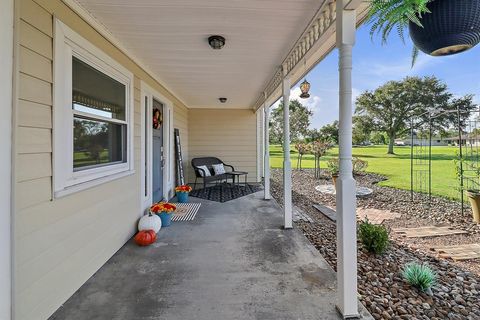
point(381, 287)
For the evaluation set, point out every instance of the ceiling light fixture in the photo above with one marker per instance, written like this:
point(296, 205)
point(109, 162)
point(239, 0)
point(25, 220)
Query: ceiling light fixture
point(222, 99)
point(216, 42)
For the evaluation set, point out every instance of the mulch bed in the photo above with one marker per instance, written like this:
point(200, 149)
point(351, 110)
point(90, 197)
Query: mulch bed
point(381, 287)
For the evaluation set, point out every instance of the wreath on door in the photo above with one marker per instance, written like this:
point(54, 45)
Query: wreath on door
point(157, 118)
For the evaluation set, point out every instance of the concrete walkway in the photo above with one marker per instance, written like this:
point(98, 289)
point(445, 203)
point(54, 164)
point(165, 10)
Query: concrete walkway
point(232, 262)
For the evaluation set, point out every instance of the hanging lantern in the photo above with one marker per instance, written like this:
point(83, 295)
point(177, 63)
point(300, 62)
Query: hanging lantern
point(305, 87)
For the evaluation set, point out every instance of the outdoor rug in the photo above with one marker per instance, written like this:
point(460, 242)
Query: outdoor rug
point(185, 211)
point(224, 193)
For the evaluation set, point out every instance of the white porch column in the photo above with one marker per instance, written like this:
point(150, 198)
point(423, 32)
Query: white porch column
point(266, 157)
point(6, 89)
point(347, 302)
point(287, 166)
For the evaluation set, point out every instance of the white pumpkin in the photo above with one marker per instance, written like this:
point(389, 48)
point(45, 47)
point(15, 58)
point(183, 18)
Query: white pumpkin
point(150, 222)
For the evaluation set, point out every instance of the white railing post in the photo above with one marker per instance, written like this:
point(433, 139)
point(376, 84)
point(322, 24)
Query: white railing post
point(6, 107)
point(266, 157)
point(287, 166)
point(347, 302)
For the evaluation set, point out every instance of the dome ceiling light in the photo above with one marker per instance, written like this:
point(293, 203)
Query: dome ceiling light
point(216, 42)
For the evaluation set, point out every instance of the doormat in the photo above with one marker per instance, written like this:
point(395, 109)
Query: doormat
point(185, 211)
point(459, 252)
point(225, 192)
point(430, 231)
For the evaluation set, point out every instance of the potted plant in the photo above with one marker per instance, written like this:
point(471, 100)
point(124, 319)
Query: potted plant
point(182, 193)
point(164, 210)
point(474, 198)
point(333, 167)
point(472, 194)
point(437, 27)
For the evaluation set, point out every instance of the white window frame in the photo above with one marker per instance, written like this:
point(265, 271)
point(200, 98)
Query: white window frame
point(66, 180)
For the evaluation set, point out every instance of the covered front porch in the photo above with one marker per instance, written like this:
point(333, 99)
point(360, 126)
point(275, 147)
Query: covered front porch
point(234, 261)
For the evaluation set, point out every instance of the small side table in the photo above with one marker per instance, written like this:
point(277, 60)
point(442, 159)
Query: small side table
point(236, 176)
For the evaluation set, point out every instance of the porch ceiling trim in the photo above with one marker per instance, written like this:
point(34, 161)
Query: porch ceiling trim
point(313, 45)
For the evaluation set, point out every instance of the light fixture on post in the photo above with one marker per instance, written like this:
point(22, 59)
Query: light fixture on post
point(305, 87)
point(216, 42)
point(222, 99)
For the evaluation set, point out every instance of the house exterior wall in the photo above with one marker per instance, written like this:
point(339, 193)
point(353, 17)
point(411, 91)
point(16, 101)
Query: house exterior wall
point(61, 242)
point(6, 89)
point(230, 135)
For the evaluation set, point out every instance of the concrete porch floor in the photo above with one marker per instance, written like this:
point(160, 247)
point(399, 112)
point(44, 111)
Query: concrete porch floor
point(233, 261)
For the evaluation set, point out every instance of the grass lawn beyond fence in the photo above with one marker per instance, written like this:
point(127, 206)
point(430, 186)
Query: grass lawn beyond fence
point(395, 167)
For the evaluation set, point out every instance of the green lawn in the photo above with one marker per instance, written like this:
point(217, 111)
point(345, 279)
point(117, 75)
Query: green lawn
point(395, 167)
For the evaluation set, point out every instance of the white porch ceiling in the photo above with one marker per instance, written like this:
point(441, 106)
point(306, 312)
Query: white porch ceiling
point(170, 38)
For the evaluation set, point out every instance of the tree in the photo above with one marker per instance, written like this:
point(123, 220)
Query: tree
point(302, 148)
point(319, 149)
point(391, 106)
point(362, 129)
point(329, 132)
point(299, 122)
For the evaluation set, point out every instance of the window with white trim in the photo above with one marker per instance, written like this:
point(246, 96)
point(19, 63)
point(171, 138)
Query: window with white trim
point(92, 114)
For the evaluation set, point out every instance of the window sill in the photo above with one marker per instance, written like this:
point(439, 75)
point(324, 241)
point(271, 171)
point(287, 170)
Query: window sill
point(92, 183)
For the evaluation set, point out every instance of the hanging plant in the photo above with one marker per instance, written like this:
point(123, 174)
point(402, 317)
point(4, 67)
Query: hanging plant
point(437, 27)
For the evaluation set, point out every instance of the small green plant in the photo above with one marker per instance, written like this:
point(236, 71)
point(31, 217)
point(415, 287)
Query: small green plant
point(373, 237)
point(420, 276)
point(333, 166)
point(359, 165)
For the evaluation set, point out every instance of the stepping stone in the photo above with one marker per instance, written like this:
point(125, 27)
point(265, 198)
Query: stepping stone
point(376, 216)
point(330, 189)
point(300, 215)
point(326, 211)
point(429, 231)
point(459, 252)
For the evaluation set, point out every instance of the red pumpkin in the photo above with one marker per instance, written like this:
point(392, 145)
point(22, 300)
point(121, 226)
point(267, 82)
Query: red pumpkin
point(145, 237)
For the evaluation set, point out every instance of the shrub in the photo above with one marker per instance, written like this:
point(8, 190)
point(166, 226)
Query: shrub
point(359, 165)
point(373, 237)
point(333, 166)
point(420, 276)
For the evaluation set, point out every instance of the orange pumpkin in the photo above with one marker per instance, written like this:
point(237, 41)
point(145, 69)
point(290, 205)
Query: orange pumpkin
point(145, 237)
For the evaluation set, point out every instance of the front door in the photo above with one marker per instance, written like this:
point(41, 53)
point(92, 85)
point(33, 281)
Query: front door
point(157, 151)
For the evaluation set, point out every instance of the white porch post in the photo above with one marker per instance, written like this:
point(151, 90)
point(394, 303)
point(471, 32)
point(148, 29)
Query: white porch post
point(287, 166)
point(347, 302)
point(6, 100)
point(266, 157)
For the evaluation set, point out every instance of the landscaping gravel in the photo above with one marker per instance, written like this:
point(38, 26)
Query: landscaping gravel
point(380, 284)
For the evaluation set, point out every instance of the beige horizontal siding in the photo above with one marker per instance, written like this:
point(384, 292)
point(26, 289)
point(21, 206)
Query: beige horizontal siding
point(36, 40)
point(32, 114)
point(34, 140)
point(60, 243)
point(35, 15)
point(33, 192)
point(35, 90)
point(226, 134)
point(35, 65)
point(41, 169)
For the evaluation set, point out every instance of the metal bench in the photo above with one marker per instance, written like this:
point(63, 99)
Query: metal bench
point(208, 162)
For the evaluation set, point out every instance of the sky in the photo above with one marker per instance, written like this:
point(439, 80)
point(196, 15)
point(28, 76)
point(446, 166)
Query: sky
point(374, 64)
